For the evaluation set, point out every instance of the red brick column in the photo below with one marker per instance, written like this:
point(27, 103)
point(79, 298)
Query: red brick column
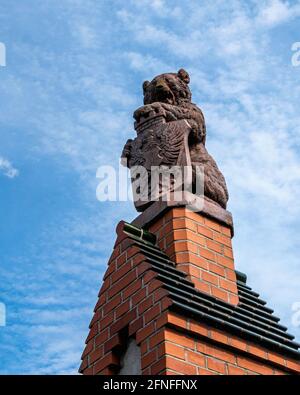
point(201, 247)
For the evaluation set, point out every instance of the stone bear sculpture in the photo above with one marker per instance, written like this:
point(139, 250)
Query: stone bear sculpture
point(170, 95)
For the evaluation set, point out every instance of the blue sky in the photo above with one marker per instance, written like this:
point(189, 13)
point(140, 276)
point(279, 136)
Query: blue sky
point(72, 79)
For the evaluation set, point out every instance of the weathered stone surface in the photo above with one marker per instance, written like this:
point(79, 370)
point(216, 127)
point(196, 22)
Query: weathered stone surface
point(171, 132)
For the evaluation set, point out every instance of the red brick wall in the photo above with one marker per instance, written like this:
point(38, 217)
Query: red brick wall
point(184, 346)
point(133, 303)
point(202, 248)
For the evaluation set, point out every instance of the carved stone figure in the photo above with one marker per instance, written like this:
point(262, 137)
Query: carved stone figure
point(171, 132)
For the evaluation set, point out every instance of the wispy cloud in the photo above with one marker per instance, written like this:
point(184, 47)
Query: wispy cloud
point(276, 12)
point(7, 168)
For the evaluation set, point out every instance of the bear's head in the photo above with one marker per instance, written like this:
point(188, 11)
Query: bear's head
point(171, 88)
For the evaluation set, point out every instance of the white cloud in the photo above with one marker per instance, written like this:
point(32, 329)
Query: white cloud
point(148, 63)
point(85, 35)
point(276, 12)
point(7, 168)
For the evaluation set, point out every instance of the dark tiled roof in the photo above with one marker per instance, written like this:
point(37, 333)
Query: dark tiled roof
point(251, 319)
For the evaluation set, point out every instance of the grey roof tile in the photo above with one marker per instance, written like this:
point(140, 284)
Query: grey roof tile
point(250, 319)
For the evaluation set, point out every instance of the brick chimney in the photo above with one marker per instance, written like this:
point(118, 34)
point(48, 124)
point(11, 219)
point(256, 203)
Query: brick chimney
point(171, 302)
point(199, 243)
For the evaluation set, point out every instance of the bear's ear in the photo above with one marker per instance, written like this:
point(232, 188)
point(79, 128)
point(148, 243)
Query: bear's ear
point(145, 85)
point(184, 76)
